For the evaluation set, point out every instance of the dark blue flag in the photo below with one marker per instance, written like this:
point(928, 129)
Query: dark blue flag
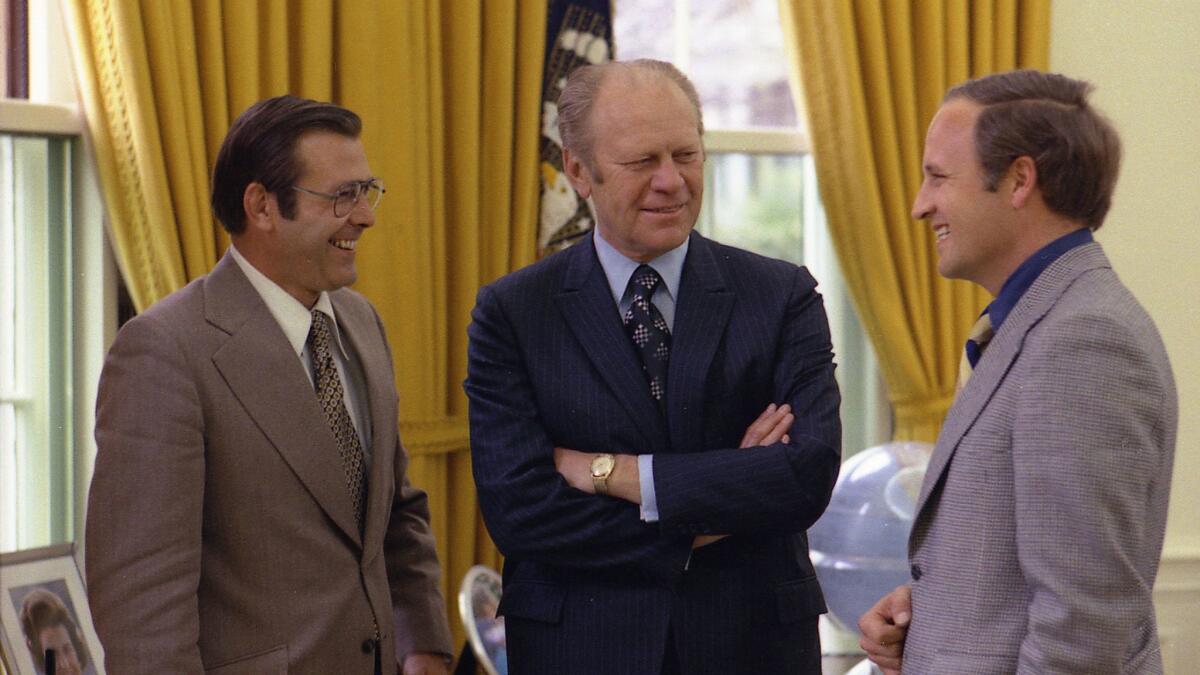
point(577, 32)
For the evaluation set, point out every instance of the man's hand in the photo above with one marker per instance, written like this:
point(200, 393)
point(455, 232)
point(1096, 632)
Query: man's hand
point(424, 663)
point(771, 426)
point(883, 628)
point(706, 539)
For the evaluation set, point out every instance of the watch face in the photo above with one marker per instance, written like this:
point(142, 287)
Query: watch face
point(602, 466)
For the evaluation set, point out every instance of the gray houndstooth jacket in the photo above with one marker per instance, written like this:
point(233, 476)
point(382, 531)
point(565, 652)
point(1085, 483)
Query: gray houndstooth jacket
point(1041, 519)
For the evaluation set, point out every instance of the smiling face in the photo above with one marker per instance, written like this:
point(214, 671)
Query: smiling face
point(314, 251)
point(646, 179)
point(978, 238)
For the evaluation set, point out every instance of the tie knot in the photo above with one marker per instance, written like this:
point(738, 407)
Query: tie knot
point(981, 331)
point(644, 281)
point(977, 340)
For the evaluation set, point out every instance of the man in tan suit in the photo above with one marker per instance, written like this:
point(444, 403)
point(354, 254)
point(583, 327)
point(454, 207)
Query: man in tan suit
point(250, 511)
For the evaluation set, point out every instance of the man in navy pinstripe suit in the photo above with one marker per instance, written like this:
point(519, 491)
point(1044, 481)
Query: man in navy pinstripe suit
point(652, 523)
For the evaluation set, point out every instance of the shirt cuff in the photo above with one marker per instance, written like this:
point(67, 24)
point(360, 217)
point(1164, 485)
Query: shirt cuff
point(646, 485)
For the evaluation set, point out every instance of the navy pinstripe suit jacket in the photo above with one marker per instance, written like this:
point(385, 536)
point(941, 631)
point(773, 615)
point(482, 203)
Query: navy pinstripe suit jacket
point(588, 586)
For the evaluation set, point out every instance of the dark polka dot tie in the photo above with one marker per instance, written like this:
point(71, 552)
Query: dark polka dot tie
point(332, 399)
point(648, 331)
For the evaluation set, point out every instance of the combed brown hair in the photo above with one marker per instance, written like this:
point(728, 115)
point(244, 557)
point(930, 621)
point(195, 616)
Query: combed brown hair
point(260, 148)
point(578, 97)
point(1046, 117)
point(42, 609)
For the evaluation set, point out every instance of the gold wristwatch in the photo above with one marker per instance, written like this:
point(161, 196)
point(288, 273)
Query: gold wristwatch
point(602, 468)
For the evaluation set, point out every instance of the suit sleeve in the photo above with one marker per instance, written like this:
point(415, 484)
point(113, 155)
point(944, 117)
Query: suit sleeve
point(529, 509)
point(1087, 449)
point(780, 488)
point(420, 611)
point(145, 506)
point(413, 571)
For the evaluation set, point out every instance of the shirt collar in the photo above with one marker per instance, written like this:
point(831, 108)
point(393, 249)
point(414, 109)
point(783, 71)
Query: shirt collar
point(291, 315)
point(1024, 276)
point(618, 268)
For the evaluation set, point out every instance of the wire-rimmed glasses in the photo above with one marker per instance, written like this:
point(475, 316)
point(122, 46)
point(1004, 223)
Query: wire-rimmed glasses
point(346, 198)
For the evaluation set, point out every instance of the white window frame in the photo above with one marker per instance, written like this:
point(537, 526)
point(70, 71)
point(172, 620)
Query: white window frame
point(53, 111)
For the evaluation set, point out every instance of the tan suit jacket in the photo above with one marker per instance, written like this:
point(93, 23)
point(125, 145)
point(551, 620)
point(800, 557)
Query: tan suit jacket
point(220, 532)
point(1041, 519)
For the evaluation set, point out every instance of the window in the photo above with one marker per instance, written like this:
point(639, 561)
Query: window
point(56, 279)
point(760, 184)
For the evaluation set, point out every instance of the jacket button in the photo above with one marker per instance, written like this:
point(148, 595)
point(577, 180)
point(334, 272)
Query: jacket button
point(368, 646)
point(916, 572)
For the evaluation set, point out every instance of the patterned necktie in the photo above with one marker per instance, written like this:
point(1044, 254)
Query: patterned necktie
point(981, 333)
point(333, 404)
point(648, 331)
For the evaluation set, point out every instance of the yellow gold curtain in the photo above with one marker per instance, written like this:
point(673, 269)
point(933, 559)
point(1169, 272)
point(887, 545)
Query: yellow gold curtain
point(449, 96)
point(872, 75)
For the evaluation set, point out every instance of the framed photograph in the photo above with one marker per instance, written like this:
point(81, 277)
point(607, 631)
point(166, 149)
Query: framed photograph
point(478, 600)
point(45, 623)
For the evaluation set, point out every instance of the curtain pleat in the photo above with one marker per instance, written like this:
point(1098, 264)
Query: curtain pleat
point(872, 75)
point(449, 96)
point(115, 85)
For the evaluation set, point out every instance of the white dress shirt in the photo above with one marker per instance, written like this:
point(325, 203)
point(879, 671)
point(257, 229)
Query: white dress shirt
point(295, 320)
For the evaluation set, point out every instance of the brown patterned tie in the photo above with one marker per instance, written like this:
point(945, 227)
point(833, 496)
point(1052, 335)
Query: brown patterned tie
point(333, 404)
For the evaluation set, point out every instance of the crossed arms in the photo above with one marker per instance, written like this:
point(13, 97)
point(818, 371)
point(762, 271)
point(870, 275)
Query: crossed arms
point(625, 482)
point(532, 390)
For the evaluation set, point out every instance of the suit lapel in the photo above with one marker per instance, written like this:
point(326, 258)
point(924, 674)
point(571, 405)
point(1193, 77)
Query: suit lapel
point(701, 313)
point(1002, 352)
point(264, 374)
point(587, 306)
point(364, 338)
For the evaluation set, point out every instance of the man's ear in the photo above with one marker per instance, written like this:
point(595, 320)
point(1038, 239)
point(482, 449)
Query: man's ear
point(1023, 175)
point(577, 173)
point(259, 206)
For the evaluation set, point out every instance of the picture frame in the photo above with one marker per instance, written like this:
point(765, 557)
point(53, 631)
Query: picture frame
point(44, 586)
point(478, 602)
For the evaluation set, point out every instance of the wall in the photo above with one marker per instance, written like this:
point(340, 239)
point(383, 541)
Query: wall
point(1144, 59)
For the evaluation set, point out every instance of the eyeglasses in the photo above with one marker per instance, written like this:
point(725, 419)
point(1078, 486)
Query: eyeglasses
point(346, 198)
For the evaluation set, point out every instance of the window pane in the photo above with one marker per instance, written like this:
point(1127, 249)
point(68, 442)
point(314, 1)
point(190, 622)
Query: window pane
point(769, 204)
point(35, 347)
point(731, 49)
point(755, 202)
point(642, 29)
point(738, 64)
